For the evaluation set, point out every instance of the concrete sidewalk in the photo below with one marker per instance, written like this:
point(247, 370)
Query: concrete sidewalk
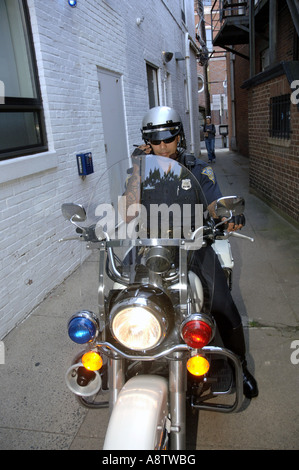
point(38, 412)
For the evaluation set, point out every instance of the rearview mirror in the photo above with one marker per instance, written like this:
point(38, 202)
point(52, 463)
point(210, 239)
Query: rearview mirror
point(230, 205)
point(74, 212)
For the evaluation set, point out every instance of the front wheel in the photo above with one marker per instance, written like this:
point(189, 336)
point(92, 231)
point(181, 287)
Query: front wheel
point(140, 415)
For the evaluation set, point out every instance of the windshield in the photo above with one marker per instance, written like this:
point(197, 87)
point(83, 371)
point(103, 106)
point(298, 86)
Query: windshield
point(149, 213)
point(155, 197)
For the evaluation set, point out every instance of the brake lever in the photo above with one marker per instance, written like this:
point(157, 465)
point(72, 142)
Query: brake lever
point(70, 238)
point(240, 235)
point(225, 235)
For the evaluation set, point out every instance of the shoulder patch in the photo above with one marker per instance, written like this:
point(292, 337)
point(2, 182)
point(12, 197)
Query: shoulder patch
point(209, 173)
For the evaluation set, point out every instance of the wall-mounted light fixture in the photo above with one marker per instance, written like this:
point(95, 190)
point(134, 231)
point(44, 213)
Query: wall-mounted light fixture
point(72, 3)
point(139, 20)
point(167, 56)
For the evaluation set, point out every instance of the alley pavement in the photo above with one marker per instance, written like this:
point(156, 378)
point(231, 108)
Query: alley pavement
point(37, 411)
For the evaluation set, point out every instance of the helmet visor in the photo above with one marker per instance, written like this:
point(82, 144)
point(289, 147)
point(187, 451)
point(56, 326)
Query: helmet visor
point(161, 132)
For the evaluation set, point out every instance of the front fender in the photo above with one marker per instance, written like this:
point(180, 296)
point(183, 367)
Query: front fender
point(139, 415)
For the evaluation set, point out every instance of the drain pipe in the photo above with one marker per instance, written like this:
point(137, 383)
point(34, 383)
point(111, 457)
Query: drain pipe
point(188, 43)
point(233, 142)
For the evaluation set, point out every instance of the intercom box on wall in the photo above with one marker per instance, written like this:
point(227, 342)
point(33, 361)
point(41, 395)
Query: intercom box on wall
point(84, 162)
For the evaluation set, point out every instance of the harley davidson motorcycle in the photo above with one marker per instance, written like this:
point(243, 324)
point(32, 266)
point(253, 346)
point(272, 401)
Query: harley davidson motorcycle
point(151, 344)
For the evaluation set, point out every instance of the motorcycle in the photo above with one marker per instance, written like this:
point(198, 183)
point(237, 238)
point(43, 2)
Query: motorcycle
point(152, 344)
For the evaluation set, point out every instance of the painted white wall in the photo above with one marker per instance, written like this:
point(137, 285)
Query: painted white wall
point(70, 44)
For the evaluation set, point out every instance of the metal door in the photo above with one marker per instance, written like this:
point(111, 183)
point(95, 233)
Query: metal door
point(113, 116)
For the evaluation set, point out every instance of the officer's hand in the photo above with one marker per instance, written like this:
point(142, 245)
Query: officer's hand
point(236, 223)
point(146, 148)
point(138, 153)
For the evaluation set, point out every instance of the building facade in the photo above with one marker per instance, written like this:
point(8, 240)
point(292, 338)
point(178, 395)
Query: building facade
point(262, 38)
point(212, 75)
point(77, 80)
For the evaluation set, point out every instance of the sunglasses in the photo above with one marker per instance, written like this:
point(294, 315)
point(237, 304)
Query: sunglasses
point(166, 141)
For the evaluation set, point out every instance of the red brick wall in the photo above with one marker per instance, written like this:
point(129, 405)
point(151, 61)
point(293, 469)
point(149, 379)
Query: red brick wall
point(286, 30)
point(241, 73)
point(274, 163)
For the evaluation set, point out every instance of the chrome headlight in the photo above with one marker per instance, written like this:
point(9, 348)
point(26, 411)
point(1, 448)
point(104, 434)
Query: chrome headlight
point(139, 322)
point(158, 259)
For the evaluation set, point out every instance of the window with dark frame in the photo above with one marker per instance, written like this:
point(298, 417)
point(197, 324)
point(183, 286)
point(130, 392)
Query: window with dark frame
point(183, 14)
point(152, 82)
point(22, 128)
point(280, 117)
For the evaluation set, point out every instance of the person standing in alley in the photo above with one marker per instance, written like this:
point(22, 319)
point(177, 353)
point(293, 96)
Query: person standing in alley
point(209, 135)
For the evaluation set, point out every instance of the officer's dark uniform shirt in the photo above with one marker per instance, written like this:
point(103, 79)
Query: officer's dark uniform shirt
point(206, 178)
point(180, 188)
point(202, 172)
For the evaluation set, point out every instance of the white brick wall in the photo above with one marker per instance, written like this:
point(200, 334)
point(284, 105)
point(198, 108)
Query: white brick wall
point(70, 43)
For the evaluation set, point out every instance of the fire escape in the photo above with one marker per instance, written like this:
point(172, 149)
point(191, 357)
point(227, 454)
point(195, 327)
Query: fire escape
point(241, 22)
point(238, 22)
point(230, 23)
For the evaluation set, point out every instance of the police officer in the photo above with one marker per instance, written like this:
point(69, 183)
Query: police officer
point(163, 134)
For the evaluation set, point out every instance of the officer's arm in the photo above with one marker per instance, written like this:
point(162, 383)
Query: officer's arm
point(128, 204)
point(211, 209)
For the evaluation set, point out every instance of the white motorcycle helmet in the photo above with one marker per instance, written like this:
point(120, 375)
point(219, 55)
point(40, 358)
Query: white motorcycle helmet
point(162, 123)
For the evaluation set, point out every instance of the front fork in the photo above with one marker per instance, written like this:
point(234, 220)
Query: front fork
point(116, 377)
point(177, 394)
